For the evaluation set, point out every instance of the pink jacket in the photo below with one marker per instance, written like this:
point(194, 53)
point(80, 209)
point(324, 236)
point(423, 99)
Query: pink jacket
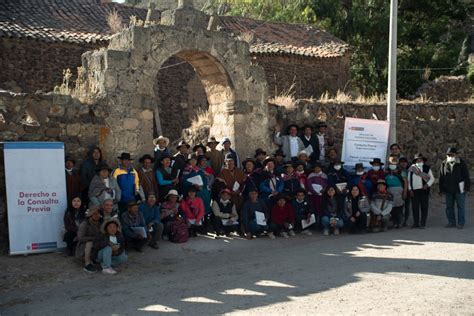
point(194, 209)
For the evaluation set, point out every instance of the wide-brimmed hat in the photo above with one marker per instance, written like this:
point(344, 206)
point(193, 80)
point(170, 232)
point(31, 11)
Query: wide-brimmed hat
point(359, 165)
point(303, 152)
point(125, 156)
point(452, 151)
point(166, 139)
point(200, 146)
point(377, 160)
point(419, 156)
point(267, 160)
point(279, 152)
point(103, 165)
point(192, 156)
point(107, 222)
point(144, 157)
point(181, 144)
point(172, 192)
point(92, 209)
point(212, 140)
point(226, 140)
point(259, 151)
point(226, 190)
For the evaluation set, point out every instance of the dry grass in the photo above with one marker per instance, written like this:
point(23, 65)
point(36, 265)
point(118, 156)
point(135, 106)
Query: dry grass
point(342, 97)
point(286, 98)
point(246, 37)
point(114, 21)
point(64, 87)
point(202, 118)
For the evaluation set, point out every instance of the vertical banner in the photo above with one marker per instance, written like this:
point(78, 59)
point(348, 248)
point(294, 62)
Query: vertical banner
point(364, 140)
point(36, 195)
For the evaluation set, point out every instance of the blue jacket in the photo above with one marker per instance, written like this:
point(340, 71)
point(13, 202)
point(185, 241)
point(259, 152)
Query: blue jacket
point(150, 213)
point(265, 188)
point(128, 182)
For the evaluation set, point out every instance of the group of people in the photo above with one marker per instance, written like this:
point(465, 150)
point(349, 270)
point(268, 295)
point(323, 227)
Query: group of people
point(301, 188)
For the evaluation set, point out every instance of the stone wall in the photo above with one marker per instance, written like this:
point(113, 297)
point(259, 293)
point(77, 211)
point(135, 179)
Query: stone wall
point(446, 88)
point(311, 77)
point(29, 65)
point(429, 128)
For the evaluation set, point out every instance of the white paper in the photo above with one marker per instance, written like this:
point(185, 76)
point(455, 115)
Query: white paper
point(305, 223)
point(461, 187)
point(196, 180)
point(139, 231)
point(260, 217)
point(317, 187)
point(225, 222)
point(341, 186)
point(236, 186)
point(309, 150)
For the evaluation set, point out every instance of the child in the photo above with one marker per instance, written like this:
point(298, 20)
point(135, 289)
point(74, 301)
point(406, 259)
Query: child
point(282, 217)
point(303, 211)
point(110, 246)
point(193, 208)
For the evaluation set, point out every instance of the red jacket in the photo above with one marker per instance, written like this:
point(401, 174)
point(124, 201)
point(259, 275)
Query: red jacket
point(282, 215)
point(193, 209)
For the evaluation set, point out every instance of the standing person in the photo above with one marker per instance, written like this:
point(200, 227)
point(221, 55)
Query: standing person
point(73, 179)
point(311, 144)
point(403, 164)
point(454, 181)
point(282, 218)
point(181, 157)
point(226, 151)
point(316, 186)
point(332, 157)
point(303, 211)
point(192, 173)
point(290, 144)
point(323, 141)
point(147, 175)
point(300, 173)
point(291, 182)
point(166, 176)
point(252, 177)
point(193, 208)
point(420, 180)
point(396, 151)
point(104, 187)
point(225, 214)
point(134, 227)
point(88, 231)
point(199, 150)
point(73, 217)
point(376, 173)
point(249, 217)
point(360, 179)
point(209, 175)
point(279, 157)
point(233, 178)
point(88, 170)
point(152, 216)
point(356, 208)
point(338, 177)
point(333, 211)
point(110, 246)
point(128, 181)
point(214, 156)
point(161, 149)
point(271, 184)
point(259, 156)
point(380, 207)
point(398, 187)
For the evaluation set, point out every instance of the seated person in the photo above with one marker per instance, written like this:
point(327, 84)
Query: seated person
point(333, 211)
point(380, 207)
point(88, 231)
point(109, 246)
point(193, 209)
point(282, 218)
point(316, 186)
point(225, 214)
point(303, 211)
point(249, 216)
point(72, 219)
point(107, 209)
point(151, 214)
point(170, 212)
point(134, 228)
point(356, 208)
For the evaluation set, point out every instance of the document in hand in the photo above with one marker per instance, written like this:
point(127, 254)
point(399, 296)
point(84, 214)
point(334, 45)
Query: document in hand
point(260, 217)
point(317, 187)
point(341, 186)
point(461, 187)
point(236, 186)
point(309, 150)
point(196, 180)
point(305, 223)
point(139, 231)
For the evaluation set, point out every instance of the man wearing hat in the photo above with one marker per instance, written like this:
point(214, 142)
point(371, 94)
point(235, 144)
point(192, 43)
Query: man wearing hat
point(214, 156)
point(88, 231)
point(225, 214)
point(134, 228)
point(73, 180)
point(226, 150)
point(128, 181)
point(323, 141)
point(279, 157)
point(109, 248)
point(259, 156)
point(232, 178)
point(361, 180)
point(147, 176)
point(104, 187)
point(271, 183)
point(311, 143)
point(161, 148)
point(420, 180)
point(181, 157)
point(454, 182)
point(290, 144)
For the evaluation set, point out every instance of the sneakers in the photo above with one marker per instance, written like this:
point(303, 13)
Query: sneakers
point(292, 233)
point(90, 268)
point(109, 271)
point(271, 235)
point(285, 235)
point(326, 232)
point(336, 231)
point(306, 232)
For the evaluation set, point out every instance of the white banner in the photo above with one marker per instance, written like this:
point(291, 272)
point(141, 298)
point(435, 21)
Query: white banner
point(36, 195)
point(364, 140)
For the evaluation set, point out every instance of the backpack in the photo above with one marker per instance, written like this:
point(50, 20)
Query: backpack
point(179, 231)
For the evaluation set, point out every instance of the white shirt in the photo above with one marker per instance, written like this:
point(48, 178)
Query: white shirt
point(417, 182)
point(321, 141)
point(294, 146)
point(113, 239)
point(107, 184)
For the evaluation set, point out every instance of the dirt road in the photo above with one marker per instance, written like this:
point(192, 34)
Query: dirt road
point(401, 271)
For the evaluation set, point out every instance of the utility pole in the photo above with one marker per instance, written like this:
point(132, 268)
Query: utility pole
point(392, 74)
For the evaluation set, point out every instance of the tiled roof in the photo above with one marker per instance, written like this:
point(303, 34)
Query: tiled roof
point(285, 39)
point(77, 21)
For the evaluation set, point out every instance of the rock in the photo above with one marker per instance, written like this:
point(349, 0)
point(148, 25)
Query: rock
point(73, 129)
point(130, 123)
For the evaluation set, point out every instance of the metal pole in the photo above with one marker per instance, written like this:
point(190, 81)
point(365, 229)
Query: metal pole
point(392, 74)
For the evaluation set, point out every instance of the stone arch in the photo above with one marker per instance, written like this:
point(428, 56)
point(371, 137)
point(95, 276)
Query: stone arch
point(122, 77)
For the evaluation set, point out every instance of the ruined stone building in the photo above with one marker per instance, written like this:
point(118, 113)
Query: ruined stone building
point(41, 38)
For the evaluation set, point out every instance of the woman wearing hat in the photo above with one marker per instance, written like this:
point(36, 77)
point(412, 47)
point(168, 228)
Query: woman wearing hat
point(381, 205)
point(227, 150)
point(252, 177)
point(420, 180)
point(104, 187)
point(214, 156)
point(181, 157)
point(147, 176)
point(166, 176)
point(109, 247)
point(338, 176)
point(271, 184)
point(170, 212)
point(290, 181)
point(195, 177)
point(161, 149)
